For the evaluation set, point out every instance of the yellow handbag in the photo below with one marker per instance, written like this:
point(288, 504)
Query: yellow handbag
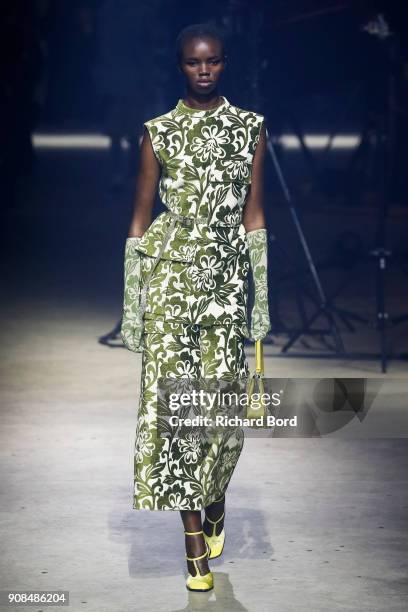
point(255, 408)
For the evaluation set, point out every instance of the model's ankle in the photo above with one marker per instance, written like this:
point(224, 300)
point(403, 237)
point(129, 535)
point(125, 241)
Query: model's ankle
point(215, 510)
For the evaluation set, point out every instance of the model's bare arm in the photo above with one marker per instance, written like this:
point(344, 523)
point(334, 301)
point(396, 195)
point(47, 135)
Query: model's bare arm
point(257, 239)
point(253, 215)
point(146, 185)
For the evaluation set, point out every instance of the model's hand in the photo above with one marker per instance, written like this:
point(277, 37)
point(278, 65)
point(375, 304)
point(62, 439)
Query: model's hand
point(132, 323)
point(258, 255)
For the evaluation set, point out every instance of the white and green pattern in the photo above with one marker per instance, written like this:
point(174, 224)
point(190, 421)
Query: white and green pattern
point(195, 259)
point(132, 324)
point(258, 256)
point(206, 160)
point(191, 471)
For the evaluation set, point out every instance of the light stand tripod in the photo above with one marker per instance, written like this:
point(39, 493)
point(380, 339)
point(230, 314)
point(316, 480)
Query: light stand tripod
point(325, 308)
point(380, 253)
point(384, 149)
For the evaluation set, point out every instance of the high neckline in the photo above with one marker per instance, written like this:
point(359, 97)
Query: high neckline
point(198, 112)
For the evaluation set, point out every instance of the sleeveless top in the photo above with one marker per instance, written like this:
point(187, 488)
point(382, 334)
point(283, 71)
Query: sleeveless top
point(206, 167)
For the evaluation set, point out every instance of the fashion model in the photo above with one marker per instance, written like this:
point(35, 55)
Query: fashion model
point(186, 286)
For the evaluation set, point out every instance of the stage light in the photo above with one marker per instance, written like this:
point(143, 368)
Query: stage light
point(320, 141)
point(70, 141)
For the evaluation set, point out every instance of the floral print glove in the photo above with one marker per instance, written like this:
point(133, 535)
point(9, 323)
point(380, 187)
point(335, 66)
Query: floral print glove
point(132, 323)
point(258, 255)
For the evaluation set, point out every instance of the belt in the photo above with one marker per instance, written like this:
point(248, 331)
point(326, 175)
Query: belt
point(186, 222)
point(190, 221)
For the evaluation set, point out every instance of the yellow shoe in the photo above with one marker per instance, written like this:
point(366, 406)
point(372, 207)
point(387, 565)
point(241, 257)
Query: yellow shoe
point(215, 542)
point(199, 582)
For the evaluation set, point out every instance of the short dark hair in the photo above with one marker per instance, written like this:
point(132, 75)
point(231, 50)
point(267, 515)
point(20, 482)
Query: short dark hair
point(198, 30)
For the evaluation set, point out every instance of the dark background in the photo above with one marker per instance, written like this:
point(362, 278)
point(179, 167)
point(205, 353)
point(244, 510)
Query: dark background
point(311, 524)
point(104, 67)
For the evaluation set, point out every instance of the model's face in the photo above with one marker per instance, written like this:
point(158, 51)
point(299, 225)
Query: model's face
point(202, 64)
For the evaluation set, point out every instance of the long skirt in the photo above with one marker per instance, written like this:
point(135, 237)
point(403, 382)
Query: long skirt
point(186, 472)
point(194, 328)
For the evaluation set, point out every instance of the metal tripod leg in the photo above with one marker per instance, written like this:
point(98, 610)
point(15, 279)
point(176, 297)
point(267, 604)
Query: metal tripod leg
point(324, 311)
point(381, 255)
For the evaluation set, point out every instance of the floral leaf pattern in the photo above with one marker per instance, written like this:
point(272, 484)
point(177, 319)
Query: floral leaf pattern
point(195, 315)
point(132, 325)
point(185, 470)
point(260, 322)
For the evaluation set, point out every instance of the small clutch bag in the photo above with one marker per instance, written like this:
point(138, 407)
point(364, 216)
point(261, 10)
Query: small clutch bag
point(255, 407)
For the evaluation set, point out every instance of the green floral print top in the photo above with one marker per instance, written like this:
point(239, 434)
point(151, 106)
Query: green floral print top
point(206, 167)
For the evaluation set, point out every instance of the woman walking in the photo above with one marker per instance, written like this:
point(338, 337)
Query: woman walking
point(186, 286)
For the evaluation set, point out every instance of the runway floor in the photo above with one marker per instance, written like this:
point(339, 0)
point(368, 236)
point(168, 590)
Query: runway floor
point(312, 524)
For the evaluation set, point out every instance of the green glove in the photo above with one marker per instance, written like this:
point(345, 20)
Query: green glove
point(132, 323)
point(258, 255)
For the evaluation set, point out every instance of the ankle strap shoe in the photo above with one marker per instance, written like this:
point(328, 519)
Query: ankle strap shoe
point(215, 542)
point(199, 582)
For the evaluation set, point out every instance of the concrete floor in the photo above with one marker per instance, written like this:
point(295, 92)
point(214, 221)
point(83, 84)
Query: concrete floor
point(312, 524)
